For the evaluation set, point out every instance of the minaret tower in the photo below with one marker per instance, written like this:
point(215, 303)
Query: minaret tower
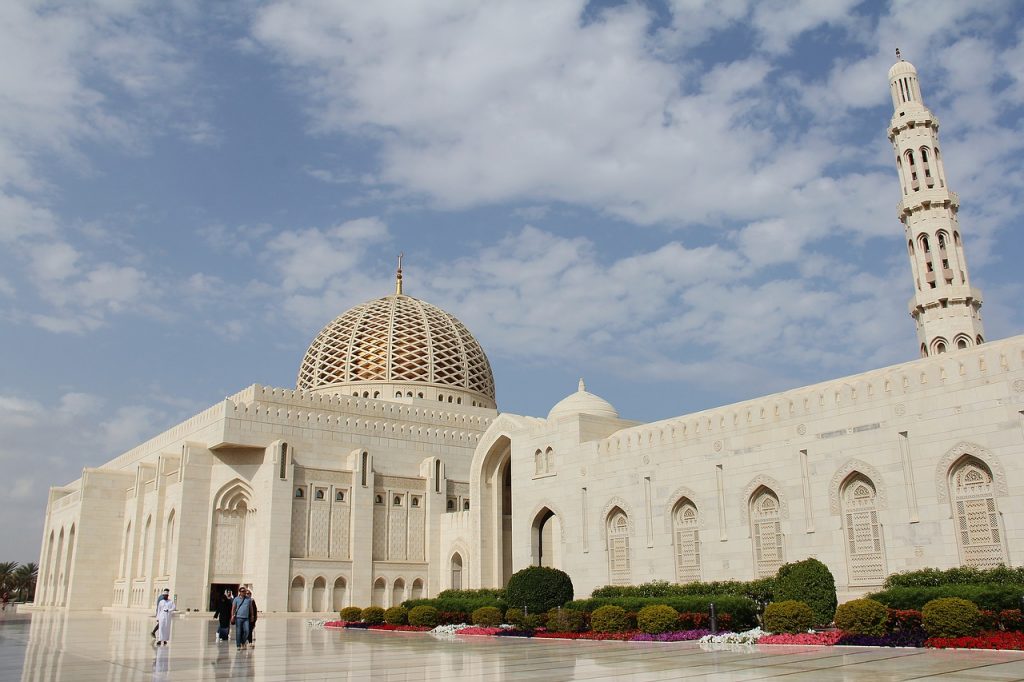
point(945, 307)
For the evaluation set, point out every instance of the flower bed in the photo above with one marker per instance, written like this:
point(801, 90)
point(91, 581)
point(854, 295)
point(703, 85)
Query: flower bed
point(747, 637)
point(479, 630)
point(678, 636)
point(988, 640)
point(910, 638)
point(400, 628)
point(827, 638)
point(603, 636)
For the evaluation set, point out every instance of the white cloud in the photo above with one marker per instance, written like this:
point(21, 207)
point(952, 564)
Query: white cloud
point(308, 258)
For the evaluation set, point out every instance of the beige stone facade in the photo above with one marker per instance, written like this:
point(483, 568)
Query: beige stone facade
point(388, 474)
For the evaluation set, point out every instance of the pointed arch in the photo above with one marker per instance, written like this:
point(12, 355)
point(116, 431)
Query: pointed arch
point(865, 546)
point(233, 503)
point(673, 501)
point(767, 539)
point(339, 593)
point(546, 537)
point(1000, 488)
point(976, 518)
point(379, 595)
point(618, 531)
point(761, 480)
point(843, 473)
point(686, 540)
point(297, 595)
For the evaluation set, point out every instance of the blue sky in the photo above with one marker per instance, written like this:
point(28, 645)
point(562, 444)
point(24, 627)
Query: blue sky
point(689, 202)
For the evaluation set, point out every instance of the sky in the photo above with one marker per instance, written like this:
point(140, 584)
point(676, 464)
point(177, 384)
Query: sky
point(686, 202)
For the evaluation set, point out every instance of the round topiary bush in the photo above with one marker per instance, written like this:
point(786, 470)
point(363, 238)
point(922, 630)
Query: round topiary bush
point(487, 616)
point(788, 616)
point(397, 615)
point(862, 617)
point(656, 618)
point(350, 614)
point(566, 620)
point(609, 618)
point(811, 582)
point(374, 615)
point(538, 589)
point(950, 617)
point(423, 616)
point(515, 618)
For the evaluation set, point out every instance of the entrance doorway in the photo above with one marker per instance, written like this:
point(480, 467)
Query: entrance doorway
point(217, 589)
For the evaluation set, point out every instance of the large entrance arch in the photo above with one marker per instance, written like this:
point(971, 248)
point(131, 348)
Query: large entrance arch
point(494, 510)
point(546, 534)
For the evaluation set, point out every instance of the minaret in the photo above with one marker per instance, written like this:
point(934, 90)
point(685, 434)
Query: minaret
point(945, 307)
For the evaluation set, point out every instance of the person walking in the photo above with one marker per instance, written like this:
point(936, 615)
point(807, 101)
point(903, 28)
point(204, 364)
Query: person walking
point(166, 594)
point(223, 615)
point(240, 609)
point(253, 615)
point(164, 613)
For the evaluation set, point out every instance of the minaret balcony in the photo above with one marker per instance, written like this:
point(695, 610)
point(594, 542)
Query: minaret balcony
point(926, 198)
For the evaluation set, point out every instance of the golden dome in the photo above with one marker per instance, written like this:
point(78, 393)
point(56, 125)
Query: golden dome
point(402, 346)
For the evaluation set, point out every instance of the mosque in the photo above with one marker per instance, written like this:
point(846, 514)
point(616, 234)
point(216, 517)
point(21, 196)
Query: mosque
point(388, 472)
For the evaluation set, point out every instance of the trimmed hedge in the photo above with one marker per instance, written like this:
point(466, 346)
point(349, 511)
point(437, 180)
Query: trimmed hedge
point(539, 588)
point(494, 593)
point(862, 617)
point(487, 616)
point(741, 610)
point(457, 604)
point(656, 618)
point(424, 616)
point(962, 575)
point(351, 614)
point(950, 617)
point(397, 615)
point(788, 616)
point(761, 590)
point(609, 618)
point(810, 582)
point(989, 597)
point(374, 615)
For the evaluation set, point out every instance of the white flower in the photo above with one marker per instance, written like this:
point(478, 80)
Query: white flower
point(448, 630)
point(748, 637)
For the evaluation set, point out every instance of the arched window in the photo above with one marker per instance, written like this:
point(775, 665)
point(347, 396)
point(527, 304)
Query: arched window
point(619, 572)
point(283, 473)
point(338, 595)
point(380, 588)
point(167, 555)
point(456, 569)
point(297, 595)
point(319, 494)
point(975, 514)
point(398, 592)
point(864, 548)
point(766, 532)
point(538, 463)
point(417, 589)
point(549, 461)
point(687, 541)
point(938, 346)
point(319, 594)
point(465, 505)
point(300, 493)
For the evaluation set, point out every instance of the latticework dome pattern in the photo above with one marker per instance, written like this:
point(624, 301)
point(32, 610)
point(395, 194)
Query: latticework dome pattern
point(397, 339)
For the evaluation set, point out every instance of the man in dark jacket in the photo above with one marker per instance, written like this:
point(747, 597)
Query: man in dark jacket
point(253, 614)
point(223, 615)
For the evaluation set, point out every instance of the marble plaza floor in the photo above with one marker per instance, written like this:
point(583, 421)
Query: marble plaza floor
point(87, 648)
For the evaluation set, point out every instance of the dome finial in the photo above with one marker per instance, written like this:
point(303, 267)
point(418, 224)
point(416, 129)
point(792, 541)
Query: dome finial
point(899, 57)
point(398, 276)
point(583, 386)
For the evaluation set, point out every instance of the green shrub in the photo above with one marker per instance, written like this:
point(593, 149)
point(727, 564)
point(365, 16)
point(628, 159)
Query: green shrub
point(961, 575)
point(566, 620)
point(351, 614)
point(515, 618)
point(487, 616)
point(741, 610)
point(811, 582)
point(538, 588)
point(397, 615)
point(424, 616)
point(487, 593)
point(609, 618)
point(374, 615)
point(788, 616)
point(950, 617)
point(761, 590)
point(467, 604)
point(862, 617)
point(656, 618)
point(991, 597)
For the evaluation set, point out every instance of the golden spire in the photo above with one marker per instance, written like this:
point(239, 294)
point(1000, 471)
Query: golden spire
point(398, 276)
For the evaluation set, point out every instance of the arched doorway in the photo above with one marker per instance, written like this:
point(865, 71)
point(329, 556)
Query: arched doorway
point(398, 592)
point(230, 544)
point(319, 594)
point(495, 513)
point(546, 538)
point(456, 572)
point(297, 595)
point(379, 591)
point(339, 594)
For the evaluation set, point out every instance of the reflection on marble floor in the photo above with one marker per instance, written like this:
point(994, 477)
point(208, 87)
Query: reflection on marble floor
point(48, 646)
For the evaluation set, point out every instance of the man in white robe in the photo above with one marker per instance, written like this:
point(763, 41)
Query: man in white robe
point(164, 612)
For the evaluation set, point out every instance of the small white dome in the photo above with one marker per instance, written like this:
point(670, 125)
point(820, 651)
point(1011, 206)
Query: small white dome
point(901, 68)
point(582, 402)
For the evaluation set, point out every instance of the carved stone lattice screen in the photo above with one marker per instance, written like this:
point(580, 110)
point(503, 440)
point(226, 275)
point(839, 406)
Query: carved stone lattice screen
point(687, 542)
point(618, 549)
point(975, 515)
point(864, 545)
point(766, 532)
